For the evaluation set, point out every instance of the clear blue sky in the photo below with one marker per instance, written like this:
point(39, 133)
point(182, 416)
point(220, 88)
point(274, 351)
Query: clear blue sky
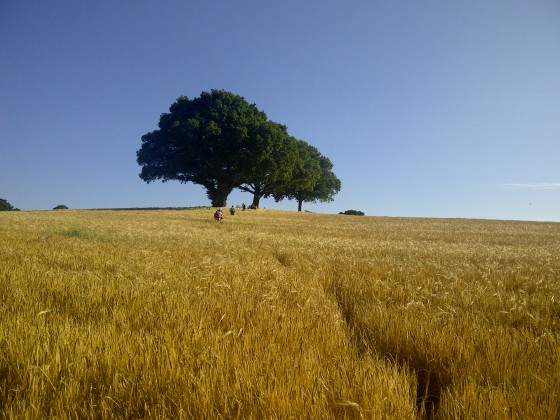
point(426, 108)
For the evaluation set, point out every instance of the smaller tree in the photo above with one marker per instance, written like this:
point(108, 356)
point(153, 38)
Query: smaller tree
point(279, 156)
point(5, 206)
point(317, 182)
point(60, 207)
point(327, 186)
point(305, 174)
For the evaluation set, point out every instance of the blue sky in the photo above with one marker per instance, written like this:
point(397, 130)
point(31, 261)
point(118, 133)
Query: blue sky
point(427, 109)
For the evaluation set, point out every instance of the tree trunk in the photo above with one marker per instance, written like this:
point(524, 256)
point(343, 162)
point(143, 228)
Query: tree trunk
point(218, 196)
point(299, 203)
point(256, 200)
point(219, 202)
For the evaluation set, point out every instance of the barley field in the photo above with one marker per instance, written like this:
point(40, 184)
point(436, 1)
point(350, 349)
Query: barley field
point(277, 315)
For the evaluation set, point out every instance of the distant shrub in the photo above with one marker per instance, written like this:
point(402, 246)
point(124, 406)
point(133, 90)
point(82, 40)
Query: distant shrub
point(60, 207)
point(5, 206)
point(353, 212)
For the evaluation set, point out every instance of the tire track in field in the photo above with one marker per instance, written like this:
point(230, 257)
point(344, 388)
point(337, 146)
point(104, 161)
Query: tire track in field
point(431, 380)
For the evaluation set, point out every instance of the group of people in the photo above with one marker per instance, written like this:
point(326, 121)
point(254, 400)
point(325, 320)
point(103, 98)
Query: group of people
point(219, 214)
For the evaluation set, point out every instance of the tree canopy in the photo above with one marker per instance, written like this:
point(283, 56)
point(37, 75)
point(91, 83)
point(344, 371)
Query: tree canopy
point(276, 168)
point(211, 140)
point(5, 206)
point(314, 180)
point(220, 141)
point(353, 212)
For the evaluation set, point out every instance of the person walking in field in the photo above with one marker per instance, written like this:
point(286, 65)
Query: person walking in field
point(232, 211)
point(218, 215)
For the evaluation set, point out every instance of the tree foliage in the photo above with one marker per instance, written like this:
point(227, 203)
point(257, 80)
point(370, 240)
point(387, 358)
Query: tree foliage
point(314, 181)
point(353, 212)
point(279, 159)
point(5, 206)
point(221, 142)
point(211, 140)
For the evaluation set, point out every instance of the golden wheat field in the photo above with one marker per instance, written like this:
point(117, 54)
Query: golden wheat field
point(274, 314)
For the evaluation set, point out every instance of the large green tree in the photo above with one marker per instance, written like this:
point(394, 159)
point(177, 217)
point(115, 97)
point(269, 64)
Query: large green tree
point(315, 180)
point(214, 140)
point(275, 168)
point(305, 175)
point(327, 186)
